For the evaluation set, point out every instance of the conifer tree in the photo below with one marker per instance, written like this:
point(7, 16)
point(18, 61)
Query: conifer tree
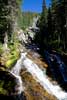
point(43, 27)
point(8, 13)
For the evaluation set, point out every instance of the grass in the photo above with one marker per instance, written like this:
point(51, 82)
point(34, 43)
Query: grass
point(10, 56)
point(13, 56)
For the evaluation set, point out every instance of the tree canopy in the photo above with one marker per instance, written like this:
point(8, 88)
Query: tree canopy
point(8, 12)
point(53, 26)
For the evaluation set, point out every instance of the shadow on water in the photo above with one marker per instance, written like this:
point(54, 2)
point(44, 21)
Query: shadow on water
point(57, 69)
point(32, 46)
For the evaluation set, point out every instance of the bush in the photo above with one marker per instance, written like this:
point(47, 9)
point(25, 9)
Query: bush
point(11, 62)
point(12, 58)
point(1, 49)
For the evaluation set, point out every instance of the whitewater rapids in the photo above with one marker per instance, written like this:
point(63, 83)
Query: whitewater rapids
point(38, 75)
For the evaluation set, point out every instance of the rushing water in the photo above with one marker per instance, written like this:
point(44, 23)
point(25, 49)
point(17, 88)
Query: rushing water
point(57, 65)
point(16, 72)
point(38, 75)
point(19, 88)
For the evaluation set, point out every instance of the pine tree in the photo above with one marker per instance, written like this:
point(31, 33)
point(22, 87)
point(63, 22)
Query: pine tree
point(56, 25)
point(43, 27)
point(60, 12)
point(50, 27)
point(3, 20)
point(8, 13)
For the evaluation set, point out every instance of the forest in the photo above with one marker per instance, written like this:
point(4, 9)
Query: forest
point(33, 51)
point(52, 24)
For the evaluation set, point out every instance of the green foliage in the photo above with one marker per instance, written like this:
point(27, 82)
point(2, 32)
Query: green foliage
point(10, 56)
point(53, 33)
point(2, 90)
point(11, 62)
point(18, 2)
point(1, 48)
point(13, 56)
point(42, 24)
point(3, 20)
point(9, 10)
point(8, 15)
point(25, 19)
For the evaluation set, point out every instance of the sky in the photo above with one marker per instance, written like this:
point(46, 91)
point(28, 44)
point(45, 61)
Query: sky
point(33, 5)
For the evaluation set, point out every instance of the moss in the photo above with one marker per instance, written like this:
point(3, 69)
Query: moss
point(10, 57)
point(13, 57)
point(1, 49)
point(11, 62)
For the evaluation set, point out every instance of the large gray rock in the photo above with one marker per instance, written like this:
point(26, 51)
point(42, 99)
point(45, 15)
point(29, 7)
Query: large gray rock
point(23, 37)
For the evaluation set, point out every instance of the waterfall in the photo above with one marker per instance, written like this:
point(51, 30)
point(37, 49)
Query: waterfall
point(38, 75)
point(62, 68)
point(16, 73)
point(35, 19)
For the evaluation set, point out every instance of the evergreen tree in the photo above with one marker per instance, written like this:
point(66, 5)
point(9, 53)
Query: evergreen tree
point(43, 27)
point(56, 25)
point(60, 20)
point(3, 20)
point(50, 27)
point(8, 13)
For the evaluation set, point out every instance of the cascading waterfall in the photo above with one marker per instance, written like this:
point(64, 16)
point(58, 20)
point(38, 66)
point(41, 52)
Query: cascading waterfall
point(38, 75)
point(35, 19)
point(15, 72)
